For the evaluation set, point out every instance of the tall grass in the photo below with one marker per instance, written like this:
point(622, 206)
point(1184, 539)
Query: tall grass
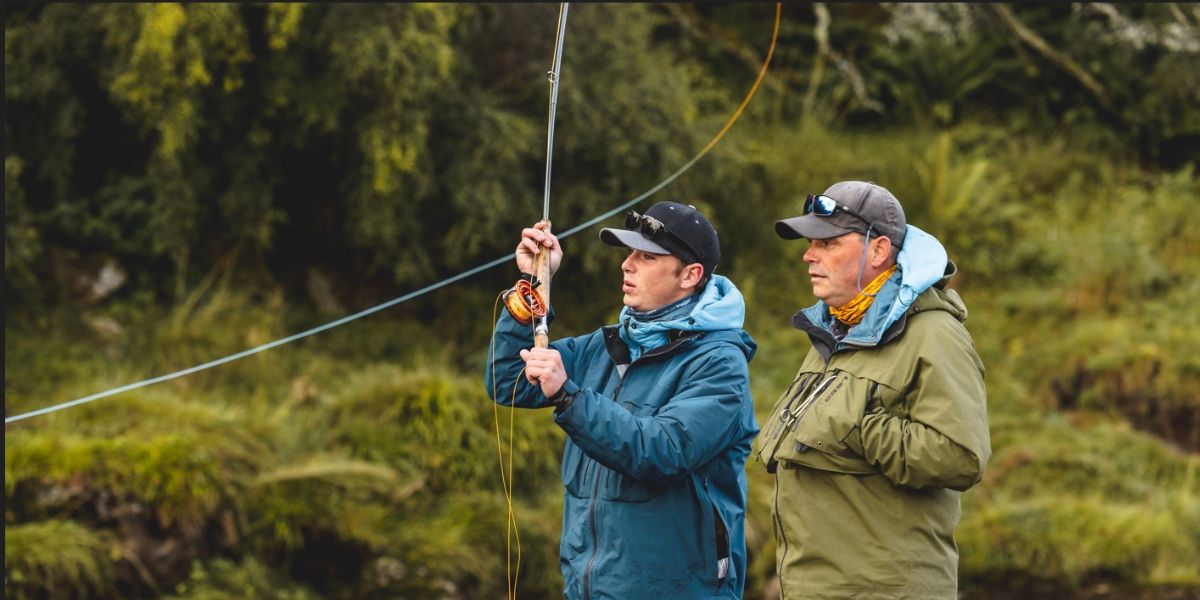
point(363, 461)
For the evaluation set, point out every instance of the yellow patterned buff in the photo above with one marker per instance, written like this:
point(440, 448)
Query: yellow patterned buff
point(852, 313)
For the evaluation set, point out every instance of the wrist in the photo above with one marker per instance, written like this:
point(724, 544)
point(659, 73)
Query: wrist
point(565, 396)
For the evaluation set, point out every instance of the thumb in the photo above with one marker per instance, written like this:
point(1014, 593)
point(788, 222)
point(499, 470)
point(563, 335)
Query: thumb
point(525, 355)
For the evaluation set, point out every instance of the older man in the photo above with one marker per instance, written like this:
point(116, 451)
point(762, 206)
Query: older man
point(886, 421)
point(657, 412)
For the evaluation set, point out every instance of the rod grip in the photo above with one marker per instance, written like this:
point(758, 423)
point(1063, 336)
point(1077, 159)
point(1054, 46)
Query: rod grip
point(541, 266)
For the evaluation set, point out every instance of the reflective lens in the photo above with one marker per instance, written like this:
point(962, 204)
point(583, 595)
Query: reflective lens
point(658, 233)
point(823, 206)
point(643, 223)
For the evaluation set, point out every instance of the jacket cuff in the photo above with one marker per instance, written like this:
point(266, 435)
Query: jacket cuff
point(565, 396)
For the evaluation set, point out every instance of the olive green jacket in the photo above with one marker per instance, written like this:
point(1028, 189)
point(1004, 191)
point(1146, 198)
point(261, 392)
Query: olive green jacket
point(871, 445)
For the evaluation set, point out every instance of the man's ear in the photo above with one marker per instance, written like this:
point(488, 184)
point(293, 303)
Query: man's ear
point(881, 251)
point(692, 274)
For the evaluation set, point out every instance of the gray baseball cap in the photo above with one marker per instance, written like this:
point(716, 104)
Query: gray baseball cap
point(872, 204)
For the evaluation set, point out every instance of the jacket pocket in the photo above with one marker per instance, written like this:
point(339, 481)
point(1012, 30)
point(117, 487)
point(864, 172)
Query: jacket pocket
point(834, 417)
point(714, 532)
point(823, 430)
point(779, 424)
point(577, 471)
point(724, 554)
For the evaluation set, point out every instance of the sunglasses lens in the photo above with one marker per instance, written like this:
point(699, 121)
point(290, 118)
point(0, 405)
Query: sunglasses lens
point(631, 219)
point(824, 205)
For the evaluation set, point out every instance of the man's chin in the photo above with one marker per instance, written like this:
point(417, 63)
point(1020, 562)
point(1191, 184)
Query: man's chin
point(823, 298)
point(629, 302)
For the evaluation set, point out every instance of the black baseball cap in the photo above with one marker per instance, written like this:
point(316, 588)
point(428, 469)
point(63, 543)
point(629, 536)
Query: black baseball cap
point(684, 233)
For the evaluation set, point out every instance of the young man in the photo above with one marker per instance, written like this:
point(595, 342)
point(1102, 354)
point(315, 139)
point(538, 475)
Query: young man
point(886, 421)
point(657, 412)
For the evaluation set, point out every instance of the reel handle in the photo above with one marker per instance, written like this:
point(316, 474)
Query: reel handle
point(541, 266)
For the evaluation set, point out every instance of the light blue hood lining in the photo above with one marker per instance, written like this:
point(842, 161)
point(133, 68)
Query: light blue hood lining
point(922, 263)
point(720, 307)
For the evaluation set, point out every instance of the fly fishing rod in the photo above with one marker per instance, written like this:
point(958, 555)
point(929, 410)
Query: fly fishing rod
point(541, 329)
point(529, 301)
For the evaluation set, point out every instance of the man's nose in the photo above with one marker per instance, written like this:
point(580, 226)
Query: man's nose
point(810, 256)
point(627, 264)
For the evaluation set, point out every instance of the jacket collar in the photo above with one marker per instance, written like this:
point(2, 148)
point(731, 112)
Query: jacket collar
point(621, 356)
point(923, 264)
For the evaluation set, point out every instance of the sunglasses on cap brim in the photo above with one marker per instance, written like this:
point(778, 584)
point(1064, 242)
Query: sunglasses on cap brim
point(655, 230)
point(824, 206)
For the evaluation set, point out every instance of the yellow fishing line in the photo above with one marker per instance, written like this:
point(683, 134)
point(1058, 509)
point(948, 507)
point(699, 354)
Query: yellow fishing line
point(512, 515)
point(506, 479)
point(754, 88)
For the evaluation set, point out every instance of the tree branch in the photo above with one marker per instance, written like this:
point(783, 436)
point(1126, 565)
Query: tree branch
point(821, 35)
point(825, 52)
point(1035, 41)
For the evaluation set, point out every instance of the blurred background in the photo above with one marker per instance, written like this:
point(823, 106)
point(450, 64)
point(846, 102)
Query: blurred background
point(183, 182)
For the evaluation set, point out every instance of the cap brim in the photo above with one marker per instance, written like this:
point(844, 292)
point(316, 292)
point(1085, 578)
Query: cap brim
point(809, 226)
point(630, 239)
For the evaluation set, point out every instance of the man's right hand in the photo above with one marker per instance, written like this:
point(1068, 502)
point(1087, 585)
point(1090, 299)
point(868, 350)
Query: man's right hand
point(532, 239)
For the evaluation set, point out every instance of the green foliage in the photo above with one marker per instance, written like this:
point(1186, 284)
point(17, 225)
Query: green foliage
point(1057, 458)
point(223, 154)
point(363, 444)
point(227, 118)
point(354, 477)
point(185, 477)
point(939, 62)
point(433, 422)
point(226, 580)
point(324, 493)
point(1075, 539)
point(59, 558)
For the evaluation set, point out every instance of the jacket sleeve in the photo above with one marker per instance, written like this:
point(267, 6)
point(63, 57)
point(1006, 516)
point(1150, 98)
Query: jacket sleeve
point(711, 411)
point(944, 442)
point(505, 368)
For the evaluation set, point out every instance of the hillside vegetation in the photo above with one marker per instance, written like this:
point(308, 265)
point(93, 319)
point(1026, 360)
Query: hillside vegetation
point(183, 182)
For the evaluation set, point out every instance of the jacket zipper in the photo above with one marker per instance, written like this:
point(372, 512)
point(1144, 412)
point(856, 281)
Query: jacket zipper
point(783, 537)
point(587, 571)
point(787, 419)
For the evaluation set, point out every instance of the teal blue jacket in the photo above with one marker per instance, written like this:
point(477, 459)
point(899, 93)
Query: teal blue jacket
point(654, 464)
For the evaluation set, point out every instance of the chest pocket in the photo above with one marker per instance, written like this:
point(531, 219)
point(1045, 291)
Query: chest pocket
point(830, 422)
point(818, 426)
point(779, 422)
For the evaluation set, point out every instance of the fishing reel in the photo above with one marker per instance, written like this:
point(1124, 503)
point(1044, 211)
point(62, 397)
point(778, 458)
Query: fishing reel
point(523, 301)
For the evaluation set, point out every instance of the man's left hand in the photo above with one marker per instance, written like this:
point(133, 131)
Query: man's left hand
point(544, 367)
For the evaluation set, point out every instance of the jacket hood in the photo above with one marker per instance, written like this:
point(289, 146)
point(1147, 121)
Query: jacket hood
point(719, 313)
point(940, 298)
point(922, 264)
